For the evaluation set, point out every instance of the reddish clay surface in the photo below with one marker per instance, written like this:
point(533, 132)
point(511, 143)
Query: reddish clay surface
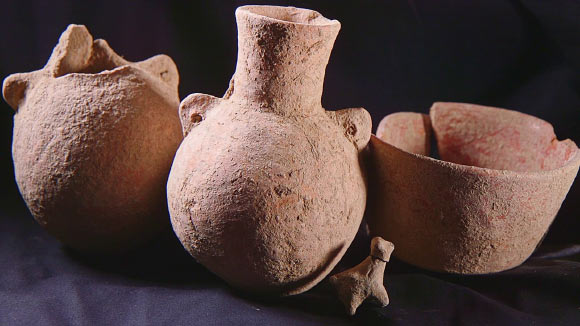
point(94, 138)
point(485, 208)
point(266, 189)
point(497, 139)
point(411, 131)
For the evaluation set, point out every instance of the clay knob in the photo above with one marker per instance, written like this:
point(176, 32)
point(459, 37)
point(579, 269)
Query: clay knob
point(14, 89)
point(72, 52)
point(381, 249)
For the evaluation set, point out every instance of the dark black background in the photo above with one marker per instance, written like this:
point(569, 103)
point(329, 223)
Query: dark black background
point(390, 55)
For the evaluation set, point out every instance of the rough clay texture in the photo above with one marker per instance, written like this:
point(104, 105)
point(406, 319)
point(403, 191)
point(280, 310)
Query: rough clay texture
point(411, 131)
point(266, 189)
point(94, 138)
point(484, 217)
point(365, 281)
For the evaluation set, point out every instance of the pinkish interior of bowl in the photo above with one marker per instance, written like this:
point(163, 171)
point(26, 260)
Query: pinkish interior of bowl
point(479, 136)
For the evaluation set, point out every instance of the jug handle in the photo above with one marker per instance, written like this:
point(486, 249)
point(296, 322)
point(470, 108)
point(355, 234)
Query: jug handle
point(14, 88)
point(162, 67)
point(193, 109)
point(357, 125)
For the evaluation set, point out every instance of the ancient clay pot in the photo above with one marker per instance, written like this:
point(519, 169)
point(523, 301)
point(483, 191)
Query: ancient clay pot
point(94, 138)
point(266, 189)
point(486, 205)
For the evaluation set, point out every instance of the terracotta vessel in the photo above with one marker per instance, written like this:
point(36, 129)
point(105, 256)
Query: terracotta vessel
point(266, 189)
point(486, 205)
point(94, 138)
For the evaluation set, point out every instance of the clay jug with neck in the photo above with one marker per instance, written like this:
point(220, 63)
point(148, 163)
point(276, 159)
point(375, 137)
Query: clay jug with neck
point(267, 190)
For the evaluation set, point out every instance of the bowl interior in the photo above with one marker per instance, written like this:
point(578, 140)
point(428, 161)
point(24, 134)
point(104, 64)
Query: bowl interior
point(479, 136)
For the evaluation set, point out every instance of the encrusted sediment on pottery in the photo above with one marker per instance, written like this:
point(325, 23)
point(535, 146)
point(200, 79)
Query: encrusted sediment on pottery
point(266, 189)
point(94, 138)
point(484, 217)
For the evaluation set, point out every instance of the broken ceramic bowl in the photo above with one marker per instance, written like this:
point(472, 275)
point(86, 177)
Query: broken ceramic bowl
point(486, 205)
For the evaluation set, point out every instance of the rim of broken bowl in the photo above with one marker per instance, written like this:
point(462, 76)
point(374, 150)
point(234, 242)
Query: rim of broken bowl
point(572, 163)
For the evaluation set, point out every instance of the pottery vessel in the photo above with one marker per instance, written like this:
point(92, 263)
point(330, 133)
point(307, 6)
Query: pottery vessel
point(94, 138)
point(486, 205)
point(266, 189)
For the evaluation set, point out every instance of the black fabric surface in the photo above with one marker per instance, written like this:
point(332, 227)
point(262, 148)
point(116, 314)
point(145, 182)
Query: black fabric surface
point(391, 55)
point(42, 283)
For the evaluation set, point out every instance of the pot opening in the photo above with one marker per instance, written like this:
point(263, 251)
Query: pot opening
point(479, 136)
point(289, 15)
point(102, 59)
point(77, 52)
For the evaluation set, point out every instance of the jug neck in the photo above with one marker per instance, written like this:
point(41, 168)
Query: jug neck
point(282, 57)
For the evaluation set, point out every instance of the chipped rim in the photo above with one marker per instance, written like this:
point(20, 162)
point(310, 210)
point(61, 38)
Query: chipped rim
point(250, 10)
point(572, 163)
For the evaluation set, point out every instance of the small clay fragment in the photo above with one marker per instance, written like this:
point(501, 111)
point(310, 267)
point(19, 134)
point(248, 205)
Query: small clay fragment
point(365, 280)
point(94, 138)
